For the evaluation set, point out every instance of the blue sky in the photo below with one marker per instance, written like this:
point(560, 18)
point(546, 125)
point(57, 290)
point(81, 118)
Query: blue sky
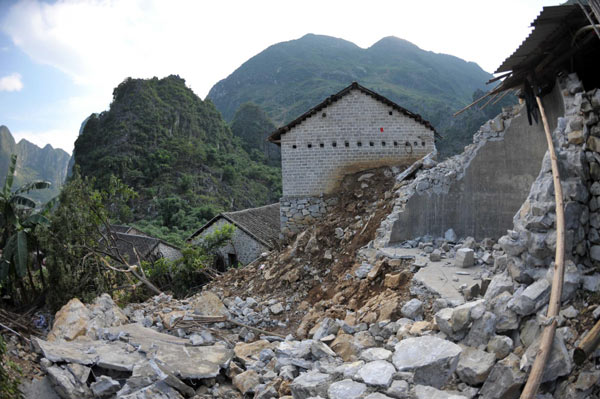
point(60, 60)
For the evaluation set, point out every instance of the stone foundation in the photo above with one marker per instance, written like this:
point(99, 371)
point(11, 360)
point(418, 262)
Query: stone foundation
point(297, 213)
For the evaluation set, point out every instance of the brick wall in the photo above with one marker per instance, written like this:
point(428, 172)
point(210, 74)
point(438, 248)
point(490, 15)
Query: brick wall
point(346, 137)
point(243, 245)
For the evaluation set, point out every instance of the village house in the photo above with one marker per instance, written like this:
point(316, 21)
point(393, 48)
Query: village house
point(132, 243)
point(256, 231)
point(353, 130)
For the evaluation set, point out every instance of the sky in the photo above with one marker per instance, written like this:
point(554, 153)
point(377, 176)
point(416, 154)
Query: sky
point(60, 60)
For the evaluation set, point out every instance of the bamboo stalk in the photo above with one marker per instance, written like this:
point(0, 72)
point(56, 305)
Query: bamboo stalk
point(587, 345)
point(537, 370)
point(474, 103)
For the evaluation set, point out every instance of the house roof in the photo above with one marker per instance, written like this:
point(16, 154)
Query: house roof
point(127, 238)
point(116, 228)
point(260, 223)
point(555, 38)
point(126, 243)
point(276, 135)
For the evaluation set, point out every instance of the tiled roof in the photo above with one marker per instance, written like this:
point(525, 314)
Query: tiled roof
point(261, 223)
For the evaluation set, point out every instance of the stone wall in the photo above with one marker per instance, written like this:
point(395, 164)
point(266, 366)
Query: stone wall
point(168, 252)
point(354, 133)
point(531, 243)
point(244, 246)
point(297, 213)
point(477, 192)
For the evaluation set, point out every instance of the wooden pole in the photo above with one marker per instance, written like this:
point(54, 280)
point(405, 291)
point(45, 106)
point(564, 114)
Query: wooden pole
point(537, 370)
point(587, 345)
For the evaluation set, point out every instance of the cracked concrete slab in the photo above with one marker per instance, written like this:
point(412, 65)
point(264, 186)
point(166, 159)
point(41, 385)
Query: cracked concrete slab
point(442, 277)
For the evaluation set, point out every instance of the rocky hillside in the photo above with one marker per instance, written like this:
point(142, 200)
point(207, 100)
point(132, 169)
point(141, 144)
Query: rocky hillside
point(34, 163)
point(288, 78)
point(175, 150)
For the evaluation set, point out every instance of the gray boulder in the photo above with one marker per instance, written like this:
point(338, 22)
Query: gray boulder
point(399, 389)
point(532, 298)
point(504, 381)
point(558, 364)
point(378, 373)
point(309, 384)
point(500, 345)
point(104, 386)
point(465, 257)
point(499, 284)
point(413, 309)
point(432, 360)
point(346, 389)
point(425, 392)
point(474, 365)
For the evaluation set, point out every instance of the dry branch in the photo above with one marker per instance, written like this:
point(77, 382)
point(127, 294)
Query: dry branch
point(537, 370)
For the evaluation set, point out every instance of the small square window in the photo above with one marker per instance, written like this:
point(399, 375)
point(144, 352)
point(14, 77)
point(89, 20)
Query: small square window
point(371, 143)
point(395, 144)
point(324, 114)
point(390, 112)
point(334, 144)
point(423, 143)
point(321, 145)
point(294, 146)
point(359, 144)
point(347, 144)
point(309, 145)
point(383, 143)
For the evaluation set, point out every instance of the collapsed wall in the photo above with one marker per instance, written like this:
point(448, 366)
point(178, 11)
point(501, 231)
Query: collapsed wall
point(477, 192)
point(531, 242)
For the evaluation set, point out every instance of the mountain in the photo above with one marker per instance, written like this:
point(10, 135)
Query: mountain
point(289, 78)
point(252, 125)
point(176, 151)
point(33, 163)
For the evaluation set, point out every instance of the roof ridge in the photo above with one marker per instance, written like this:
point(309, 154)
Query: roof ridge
point(276, 135)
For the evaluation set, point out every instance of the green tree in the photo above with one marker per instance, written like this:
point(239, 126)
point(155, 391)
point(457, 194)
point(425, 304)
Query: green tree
point(79, 259)
point(17, 223)
point(194, 269)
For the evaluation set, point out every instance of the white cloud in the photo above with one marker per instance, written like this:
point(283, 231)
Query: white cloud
point(11, 82)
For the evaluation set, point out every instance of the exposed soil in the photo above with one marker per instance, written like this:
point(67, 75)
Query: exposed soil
point(314, 273)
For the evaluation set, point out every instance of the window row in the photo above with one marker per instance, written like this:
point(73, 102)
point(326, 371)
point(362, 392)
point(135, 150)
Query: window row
point(359, 144)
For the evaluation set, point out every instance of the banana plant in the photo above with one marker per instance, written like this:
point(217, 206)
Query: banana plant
point(18, 220)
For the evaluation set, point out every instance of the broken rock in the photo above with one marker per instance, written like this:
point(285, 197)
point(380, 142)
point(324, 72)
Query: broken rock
point(474, 365)
point(346, 389)
point(504, 381)
point(310, 384)
point(558, 364)
point(71, 321)
point(431, 359)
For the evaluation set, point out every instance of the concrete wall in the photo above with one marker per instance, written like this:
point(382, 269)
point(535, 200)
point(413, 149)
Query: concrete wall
point(346, 137)
point(485, 196)
point(243, 245)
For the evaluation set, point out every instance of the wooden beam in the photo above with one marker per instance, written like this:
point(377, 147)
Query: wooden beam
point(537, 370)
point(587, 345)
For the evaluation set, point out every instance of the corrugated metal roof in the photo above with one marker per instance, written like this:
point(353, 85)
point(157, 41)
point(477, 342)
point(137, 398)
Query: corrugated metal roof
point(551, 22)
